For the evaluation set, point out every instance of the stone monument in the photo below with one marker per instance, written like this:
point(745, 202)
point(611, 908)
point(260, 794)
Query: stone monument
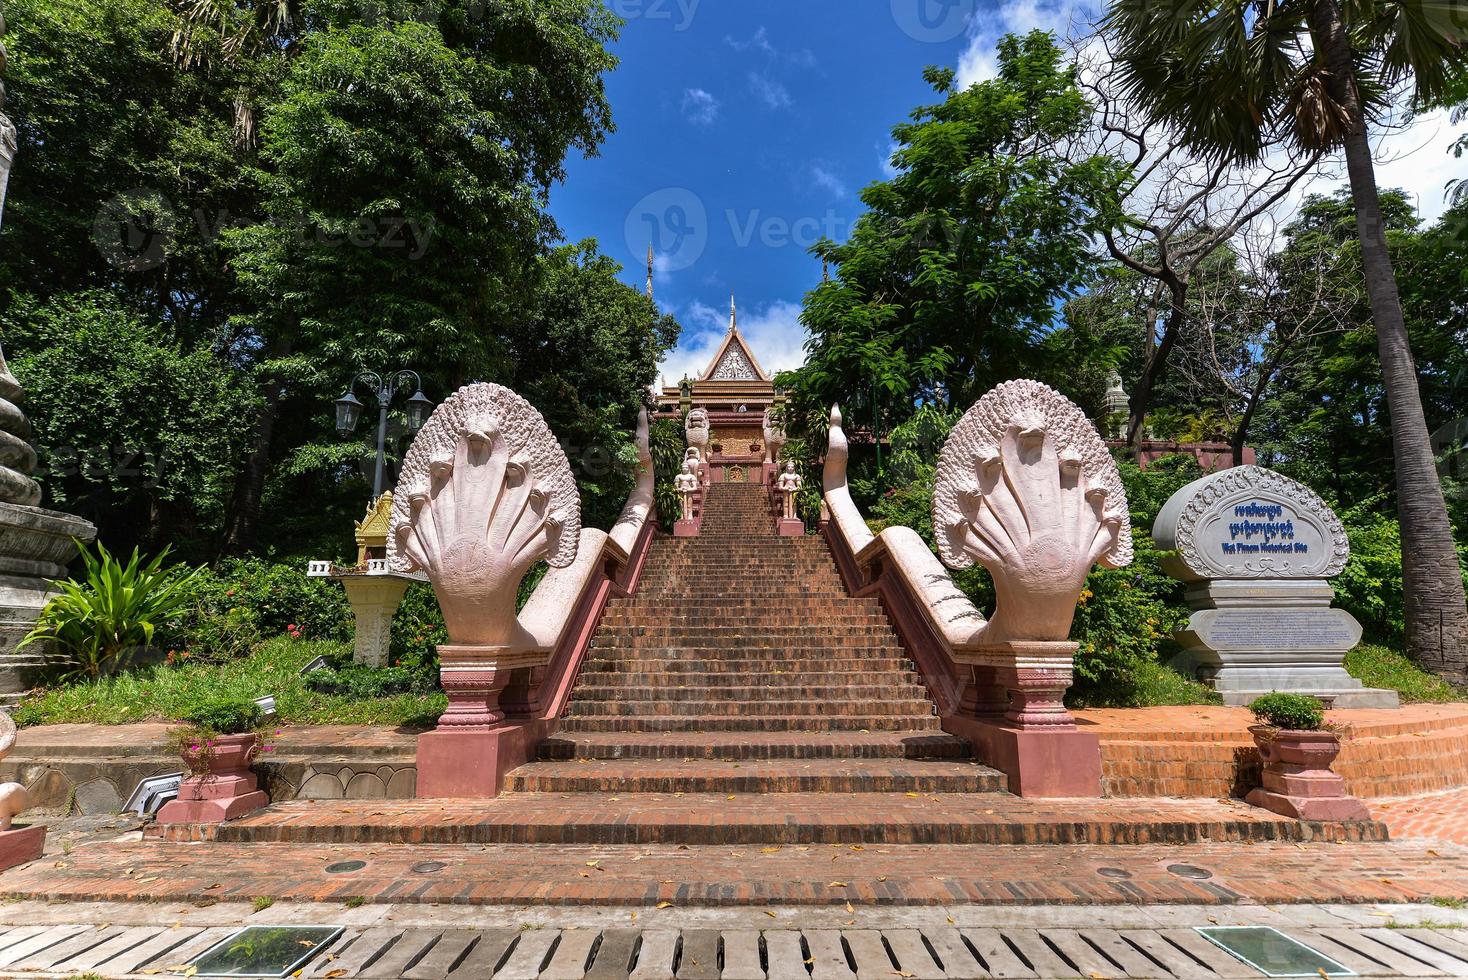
point(1257, 550)
point(1118, 406)
point(789, 485)
point(36, 545)
point(687, 484)
point(8, 141)
point(773, 431)
point(696, 431)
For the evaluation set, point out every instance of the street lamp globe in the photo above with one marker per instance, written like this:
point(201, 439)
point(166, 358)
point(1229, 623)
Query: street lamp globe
point(348, 412)
point(419, 408)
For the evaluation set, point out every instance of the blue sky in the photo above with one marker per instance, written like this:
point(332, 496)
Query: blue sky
point(746, 130)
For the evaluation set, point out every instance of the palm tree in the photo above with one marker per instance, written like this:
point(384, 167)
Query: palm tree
point(1232, 74)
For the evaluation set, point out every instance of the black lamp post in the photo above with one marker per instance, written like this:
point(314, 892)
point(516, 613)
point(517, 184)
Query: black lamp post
point(385, 388)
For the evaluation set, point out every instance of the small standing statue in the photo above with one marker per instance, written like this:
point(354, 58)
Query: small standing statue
point(8, 141)
point(687, 484)
point(789, 485)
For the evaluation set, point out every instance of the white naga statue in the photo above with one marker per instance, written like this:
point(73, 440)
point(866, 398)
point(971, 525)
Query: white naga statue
point(774, 434)
point(686, 483)
point(696, 430)
point(13, 796)
point(1026, 488)
point(486, 492)
point(789, 484)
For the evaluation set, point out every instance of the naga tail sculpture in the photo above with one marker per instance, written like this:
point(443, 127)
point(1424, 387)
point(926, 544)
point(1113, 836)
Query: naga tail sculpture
point(486, 492)
point(1026, 488)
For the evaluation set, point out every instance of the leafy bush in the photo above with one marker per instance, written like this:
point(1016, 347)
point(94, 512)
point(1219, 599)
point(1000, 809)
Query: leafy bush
point(224, 716)
point(417, 631)
point(104, 621)
point(1370, 588)
point(1293, 712)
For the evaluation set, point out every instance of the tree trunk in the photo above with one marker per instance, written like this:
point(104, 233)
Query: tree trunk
point(1436, 612)
point(244, 524)
point(1156, 364)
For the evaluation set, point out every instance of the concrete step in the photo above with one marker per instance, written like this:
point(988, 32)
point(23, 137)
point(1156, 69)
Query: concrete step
point(800, 708)
point(749, 723)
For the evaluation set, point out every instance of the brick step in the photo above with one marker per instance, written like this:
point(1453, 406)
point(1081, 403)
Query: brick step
point(749, 723)
point(824, 691)
point(780, 776)
point(755, 602)
point(738, 648)
point(736, 746)
point(743, 667)
point(787, 709)
point(768, 620)
point(777, 819)
point(594, 681)
point(748, 633)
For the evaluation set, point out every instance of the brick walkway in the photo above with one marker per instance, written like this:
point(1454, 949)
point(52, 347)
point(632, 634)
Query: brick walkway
point(1440, 816)
point(866, 875)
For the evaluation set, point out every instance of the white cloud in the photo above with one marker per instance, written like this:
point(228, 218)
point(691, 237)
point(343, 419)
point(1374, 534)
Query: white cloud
point(759, 42)
point(769, 91)
point(884, 161)
point(1419, 160)
point(773, 332)
point(979, 63)
point(700, 107)
point(826, 179)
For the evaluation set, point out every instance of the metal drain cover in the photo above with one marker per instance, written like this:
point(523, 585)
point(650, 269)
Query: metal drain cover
point(1271, 952)
point(427, 867)
point(264, 951)
point(1189, 871)
point(342, 867)
point(1113, 873)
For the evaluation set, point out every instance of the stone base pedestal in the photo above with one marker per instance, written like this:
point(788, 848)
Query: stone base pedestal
point(21, 845)
point(1298, 781)
point(1250, 637)
point(1332, 804)
point(685, 529)
point(791, 527)
point(1038, 763)
point(36, 545)
point(374, 599)
point(473, 764)
point(215, 810)
point(1013, 711)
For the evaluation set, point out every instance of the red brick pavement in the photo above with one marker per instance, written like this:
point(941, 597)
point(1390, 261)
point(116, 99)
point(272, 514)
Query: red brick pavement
point(1440, 816)
point(863, 875)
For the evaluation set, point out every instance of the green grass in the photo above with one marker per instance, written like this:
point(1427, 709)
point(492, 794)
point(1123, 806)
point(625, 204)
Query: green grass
point(164, 693)
point(1449, 903)
point(1379, 666)
point(1148, 686)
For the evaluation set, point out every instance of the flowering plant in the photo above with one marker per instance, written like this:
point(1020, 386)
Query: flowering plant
point(202, 737)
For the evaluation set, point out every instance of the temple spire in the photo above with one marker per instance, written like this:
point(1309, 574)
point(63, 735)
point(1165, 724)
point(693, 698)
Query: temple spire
point(733, 317)
point(649, 271)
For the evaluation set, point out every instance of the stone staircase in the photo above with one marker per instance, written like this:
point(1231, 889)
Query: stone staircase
point(741, 666)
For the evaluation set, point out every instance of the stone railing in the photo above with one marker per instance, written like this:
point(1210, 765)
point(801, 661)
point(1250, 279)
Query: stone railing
point(1025, 488)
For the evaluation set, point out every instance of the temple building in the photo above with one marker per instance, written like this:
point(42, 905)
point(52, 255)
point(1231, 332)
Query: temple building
point(735, 391)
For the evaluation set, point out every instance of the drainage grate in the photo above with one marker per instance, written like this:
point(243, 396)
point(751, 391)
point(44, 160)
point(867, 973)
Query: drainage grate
point(264, 951)
point(1273, 953)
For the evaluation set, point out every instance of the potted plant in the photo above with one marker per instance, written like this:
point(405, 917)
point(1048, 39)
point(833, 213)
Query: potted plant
point(1298, 748)
point(217, 741)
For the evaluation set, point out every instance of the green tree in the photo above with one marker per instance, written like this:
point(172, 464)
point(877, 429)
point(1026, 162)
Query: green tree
point(138, 432)
point(952, 276)
point(1231, 76)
